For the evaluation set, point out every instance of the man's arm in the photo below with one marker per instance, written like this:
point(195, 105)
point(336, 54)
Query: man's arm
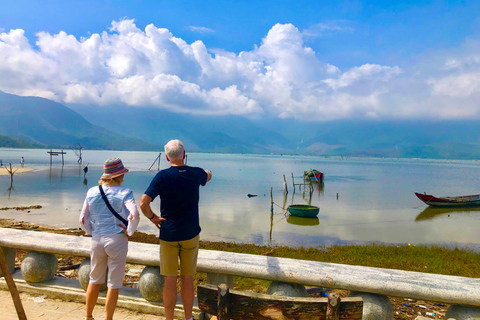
point(148, 212)
point(209, 175)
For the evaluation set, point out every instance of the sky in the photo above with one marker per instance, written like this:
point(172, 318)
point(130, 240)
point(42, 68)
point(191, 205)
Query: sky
point(309, 60)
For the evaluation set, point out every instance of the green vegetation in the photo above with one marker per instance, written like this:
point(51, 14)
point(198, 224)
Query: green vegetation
point(457, 262)
point(7, 142)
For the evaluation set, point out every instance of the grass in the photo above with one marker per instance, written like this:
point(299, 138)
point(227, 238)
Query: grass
point(456, 262)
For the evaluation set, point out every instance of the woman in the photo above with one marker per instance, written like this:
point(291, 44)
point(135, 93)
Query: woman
point(109, 244)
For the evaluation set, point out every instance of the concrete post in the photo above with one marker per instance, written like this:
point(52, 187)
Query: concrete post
point(375, 306)
point(286, 289)
point(218, 278)
point(463, 312)
point(151, 284)
point(39, 266)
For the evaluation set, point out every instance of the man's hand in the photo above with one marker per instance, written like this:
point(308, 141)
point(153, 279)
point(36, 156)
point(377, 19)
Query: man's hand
point(157, 221)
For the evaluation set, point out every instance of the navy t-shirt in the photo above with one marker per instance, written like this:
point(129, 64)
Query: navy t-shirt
point(178, 188)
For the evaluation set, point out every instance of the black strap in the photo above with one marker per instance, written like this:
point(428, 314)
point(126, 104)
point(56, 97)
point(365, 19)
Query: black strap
point(104, 197)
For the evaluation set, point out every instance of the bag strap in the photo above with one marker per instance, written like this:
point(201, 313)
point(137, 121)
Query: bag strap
point(109, 206)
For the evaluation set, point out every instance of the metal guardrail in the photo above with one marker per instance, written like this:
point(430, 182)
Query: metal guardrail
point(390, 282)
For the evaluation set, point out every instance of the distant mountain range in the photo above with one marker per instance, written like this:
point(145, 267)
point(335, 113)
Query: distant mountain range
point(41, 122)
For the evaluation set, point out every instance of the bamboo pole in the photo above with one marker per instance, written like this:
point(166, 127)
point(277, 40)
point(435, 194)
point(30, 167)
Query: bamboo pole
point(12, 287)
point(285, 189)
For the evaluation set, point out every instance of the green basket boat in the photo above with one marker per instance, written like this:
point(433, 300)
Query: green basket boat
point(303, 210)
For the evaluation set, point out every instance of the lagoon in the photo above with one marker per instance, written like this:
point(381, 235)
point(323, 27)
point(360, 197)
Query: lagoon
point(376, 201)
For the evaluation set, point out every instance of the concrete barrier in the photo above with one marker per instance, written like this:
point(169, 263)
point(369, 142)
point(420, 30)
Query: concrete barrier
point(388, 282)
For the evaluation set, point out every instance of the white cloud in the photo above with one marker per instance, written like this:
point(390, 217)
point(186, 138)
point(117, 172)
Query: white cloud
point(281, 77)
point(202, 30)
point(331, 27)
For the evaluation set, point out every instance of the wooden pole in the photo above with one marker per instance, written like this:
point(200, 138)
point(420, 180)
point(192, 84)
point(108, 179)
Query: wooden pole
point(159, 159)
point(293, 181)
point(50, 157)
point(63, 162)
point(271, 200)
point(12, 287)
point(285, 189)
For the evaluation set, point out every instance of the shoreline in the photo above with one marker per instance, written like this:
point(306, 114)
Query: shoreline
point(4, 171)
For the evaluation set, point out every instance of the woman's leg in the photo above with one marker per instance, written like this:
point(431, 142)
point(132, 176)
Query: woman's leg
point(91, 299)
point(111, 302)
point(116, 248)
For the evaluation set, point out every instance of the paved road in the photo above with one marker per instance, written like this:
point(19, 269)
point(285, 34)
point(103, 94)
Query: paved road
point(42, 308)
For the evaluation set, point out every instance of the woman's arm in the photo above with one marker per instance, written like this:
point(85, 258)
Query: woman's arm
point(133, 218)
point(85, 218)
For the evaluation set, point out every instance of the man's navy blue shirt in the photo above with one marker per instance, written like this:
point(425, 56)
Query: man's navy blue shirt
point(178, 188)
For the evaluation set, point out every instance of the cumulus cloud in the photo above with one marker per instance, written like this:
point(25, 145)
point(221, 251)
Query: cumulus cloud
point(280, 77)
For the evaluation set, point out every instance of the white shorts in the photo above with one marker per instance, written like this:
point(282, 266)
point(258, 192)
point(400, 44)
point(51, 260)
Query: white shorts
point(108, 251)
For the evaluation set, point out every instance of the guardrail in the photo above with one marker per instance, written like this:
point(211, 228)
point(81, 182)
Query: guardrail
point(389, 282)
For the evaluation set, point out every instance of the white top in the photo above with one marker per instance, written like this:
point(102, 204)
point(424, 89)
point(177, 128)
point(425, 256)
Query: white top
point(96, 219)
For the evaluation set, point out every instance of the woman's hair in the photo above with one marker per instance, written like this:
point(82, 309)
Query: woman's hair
point(111, 182)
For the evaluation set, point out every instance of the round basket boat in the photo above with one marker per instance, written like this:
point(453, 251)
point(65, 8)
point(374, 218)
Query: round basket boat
point(303, 210)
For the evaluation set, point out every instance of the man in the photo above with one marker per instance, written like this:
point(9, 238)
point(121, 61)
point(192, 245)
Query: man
point(178, 188)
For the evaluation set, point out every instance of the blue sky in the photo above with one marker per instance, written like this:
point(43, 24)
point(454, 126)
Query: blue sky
point(337, 59)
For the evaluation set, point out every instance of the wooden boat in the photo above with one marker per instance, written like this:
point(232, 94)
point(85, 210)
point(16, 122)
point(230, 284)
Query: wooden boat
point(462, 201)
point(313, 175)
point(303, 210)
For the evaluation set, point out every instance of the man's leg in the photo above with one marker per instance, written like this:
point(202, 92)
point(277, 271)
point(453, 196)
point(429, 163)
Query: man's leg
point(169, 295)
point(188, 269)
point(188, 295)
point(91, 299)
point(111, 303)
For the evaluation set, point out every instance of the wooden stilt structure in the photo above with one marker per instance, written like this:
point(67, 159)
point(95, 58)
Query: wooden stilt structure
point(56, 153)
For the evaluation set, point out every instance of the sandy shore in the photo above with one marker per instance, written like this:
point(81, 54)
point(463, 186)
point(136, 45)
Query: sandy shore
point(4, 171)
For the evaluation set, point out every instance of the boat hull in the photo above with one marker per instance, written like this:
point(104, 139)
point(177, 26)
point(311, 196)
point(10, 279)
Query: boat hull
point(303, 211)
point(313, 175)
point(462, 201)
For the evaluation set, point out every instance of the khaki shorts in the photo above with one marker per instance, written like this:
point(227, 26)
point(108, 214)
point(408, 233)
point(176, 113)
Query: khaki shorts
point(171, 251)
point(108, 252)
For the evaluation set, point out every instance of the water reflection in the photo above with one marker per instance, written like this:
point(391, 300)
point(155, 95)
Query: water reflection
point(303, 221)
point(431, 212)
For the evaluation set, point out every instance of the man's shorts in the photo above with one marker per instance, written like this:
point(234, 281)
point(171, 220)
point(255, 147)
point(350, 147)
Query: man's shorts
point(108, 251)
point(171, 251)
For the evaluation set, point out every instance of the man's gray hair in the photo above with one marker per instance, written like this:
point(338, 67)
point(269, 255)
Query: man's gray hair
point(174, 149)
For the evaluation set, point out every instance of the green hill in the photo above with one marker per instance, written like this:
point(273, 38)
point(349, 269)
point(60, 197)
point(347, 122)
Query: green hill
point(44, 122)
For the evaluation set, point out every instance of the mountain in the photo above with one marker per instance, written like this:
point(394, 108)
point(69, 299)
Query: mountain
point(447, 139)
point(7, 142)
point(49, 124)
point(200, 133)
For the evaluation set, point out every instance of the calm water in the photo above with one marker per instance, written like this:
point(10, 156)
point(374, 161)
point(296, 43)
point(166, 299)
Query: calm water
point(375, 196)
